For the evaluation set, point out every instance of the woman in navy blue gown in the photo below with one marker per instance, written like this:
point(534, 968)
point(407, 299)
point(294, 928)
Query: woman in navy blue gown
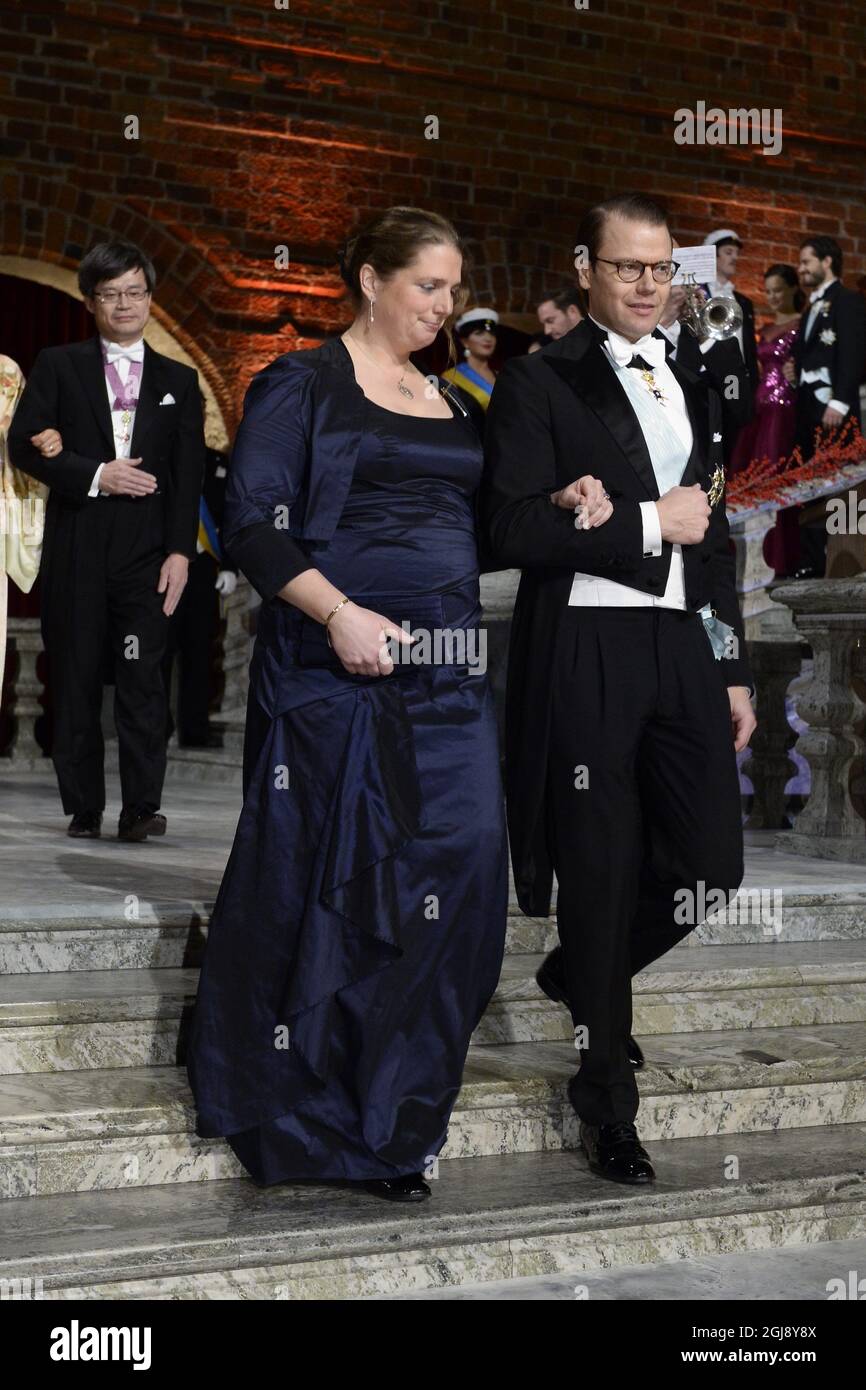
point(358, 933)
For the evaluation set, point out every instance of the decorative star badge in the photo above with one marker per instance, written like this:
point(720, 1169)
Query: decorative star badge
point(828, 336)
point(653, 387)
point(717, 486)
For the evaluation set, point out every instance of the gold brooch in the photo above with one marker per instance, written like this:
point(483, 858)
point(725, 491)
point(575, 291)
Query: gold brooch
point(717, 486)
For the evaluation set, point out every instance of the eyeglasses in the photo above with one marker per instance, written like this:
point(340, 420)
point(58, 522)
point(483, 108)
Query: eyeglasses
point(112, 296)
point(663, 271)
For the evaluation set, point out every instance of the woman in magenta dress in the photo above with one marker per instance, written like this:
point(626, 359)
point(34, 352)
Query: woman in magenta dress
point(771, 432)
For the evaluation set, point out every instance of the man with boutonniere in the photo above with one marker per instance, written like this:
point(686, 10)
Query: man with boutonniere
point(827, 367)
point(115, 430)
point(628, 686)
point(830, 353)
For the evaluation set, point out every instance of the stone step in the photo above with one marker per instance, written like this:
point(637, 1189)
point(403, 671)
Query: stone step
point(68, 1021)
point(508, 1216)
point(169, 936)
point(134, 1127)
point(141, 935)
point(691, 990)
point(805, 1273)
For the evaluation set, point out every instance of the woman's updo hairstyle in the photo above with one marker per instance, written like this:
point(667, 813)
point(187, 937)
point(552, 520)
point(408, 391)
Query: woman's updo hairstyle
point(791, 278)
point(390, 242)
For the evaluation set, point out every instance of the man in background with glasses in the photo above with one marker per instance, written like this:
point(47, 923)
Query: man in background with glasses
point(628, 688)
point(115, 430)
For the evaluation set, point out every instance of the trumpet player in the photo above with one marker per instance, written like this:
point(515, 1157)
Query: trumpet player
point(728, 246)
point(698, 346)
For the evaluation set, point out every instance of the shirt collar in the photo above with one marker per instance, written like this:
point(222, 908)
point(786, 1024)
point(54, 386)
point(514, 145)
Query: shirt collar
point(822, 290)
point(134, 351)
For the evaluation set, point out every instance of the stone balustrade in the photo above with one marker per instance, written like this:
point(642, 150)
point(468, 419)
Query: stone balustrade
point(831, 616)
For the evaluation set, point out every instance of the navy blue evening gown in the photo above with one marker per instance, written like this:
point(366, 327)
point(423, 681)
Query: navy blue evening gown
point(358, 932)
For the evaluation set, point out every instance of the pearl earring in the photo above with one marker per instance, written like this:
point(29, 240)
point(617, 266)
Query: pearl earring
point(372, 302)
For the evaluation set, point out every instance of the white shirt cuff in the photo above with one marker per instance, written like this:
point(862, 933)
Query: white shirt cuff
point(840, 406)
point(707, 344)
point(652, 529)
point(94, 486)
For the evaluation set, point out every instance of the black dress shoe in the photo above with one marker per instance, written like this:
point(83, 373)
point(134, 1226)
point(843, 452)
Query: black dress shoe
point(85, 825)
point(550, 980)
point(137, 824)
point(411, 1188)
point(615, 1152)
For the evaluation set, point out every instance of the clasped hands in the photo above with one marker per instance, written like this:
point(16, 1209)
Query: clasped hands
point(122, 476)
point(684, 515)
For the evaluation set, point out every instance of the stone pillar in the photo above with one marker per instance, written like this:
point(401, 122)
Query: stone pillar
point(25, 754)
point(753, 574)
point(498, 592)
point(775, 663)
point(831, 615)
point(237, 650)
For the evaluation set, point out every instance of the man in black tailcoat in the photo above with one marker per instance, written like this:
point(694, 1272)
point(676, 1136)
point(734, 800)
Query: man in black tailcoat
point(115, 430)
point(628, 686)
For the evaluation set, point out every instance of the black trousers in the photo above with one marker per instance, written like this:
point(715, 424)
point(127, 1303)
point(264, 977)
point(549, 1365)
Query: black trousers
point(643, 808)
point(190, 636)
point(101, 595)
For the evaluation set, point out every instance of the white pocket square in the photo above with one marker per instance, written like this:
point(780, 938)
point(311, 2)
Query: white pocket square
point(168, 400)
point(717, 439)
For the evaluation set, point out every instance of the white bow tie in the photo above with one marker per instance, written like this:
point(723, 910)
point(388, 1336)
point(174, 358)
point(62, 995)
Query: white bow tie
point(651, 349)
point(134, 353)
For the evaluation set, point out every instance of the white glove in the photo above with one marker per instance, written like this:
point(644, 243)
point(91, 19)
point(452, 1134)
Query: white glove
point(226, 583)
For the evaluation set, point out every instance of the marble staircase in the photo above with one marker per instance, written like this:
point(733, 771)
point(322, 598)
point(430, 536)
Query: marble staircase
point(753, 1099)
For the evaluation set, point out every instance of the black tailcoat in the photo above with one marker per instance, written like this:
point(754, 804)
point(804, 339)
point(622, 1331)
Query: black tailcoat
point(838, 343)
point(556, 415)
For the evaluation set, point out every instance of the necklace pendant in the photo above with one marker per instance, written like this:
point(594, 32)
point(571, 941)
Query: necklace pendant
point(404, 391)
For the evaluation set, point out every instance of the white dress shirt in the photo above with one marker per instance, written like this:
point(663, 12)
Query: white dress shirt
point(824, 393)
point(590, 590)
point(122, 358)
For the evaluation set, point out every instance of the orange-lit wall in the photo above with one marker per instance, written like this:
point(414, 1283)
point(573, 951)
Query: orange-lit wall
point(262, 126)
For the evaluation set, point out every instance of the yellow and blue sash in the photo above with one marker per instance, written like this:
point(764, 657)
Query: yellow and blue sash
point(469, 380)
point(207, 532)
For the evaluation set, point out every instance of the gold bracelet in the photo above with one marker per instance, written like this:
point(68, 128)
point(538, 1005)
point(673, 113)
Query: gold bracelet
point(334, 610)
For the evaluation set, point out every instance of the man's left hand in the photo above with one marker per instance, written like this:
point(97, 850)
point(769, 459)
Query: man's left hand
point(743, 721)
point(588, 499)
point(48, 442)
point(172, 581)
point(831, 418)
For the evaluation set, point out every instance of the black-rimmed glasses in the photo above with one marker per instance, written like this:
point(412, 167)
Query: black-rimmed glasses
point(629, 271)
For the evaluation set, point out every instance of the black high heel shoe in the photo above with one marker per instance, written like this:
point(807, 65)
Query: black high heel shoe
point(410, 1188)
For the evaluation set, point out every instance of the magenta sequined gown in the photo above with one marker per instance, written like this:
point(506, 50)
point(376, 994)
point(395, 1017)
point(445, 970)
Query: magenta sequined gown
point(770, 434)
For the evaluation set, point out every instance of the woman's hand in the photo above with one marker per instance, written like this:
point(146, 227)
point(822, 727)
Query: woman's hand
point(49, 443)
point(358, 636)
point(587, 499)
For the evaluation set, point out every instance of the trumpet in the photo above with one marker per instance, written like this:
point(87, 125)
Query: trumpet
point(719, 317)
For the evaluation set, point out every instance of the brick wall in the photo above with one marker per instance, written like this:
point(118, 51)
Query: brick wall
point(261, 126)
